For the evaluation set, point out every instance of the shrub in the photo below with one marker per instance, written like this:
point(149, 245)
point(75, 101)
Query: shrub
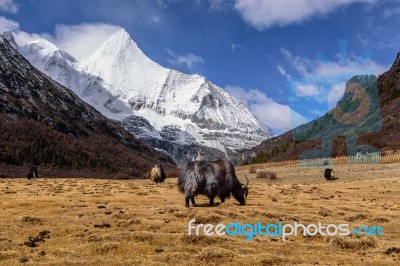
point(252, 169)
point(267, 174)
point(122, 176)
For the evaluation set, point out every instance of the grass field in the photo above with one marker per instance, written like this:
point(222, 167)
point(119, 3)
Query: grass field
point(133, 222)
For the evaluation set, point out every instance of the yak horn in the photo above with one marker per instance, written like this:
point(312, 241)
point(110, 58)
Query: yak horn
point(247, 181)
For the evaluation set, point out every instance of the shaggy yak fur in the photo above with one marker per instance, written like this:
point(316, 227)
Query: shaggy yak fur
point(211, 178)
point(157, 174)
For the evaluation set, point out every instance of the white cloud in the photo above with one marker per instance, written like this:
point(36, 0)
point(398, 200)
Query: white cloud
point(322, 68)
point(153, 19)
point(220, 5)
point(322, 81)
point(388, 13)
point(263, 14)
point(8, 25)
point(299, 63)
point(235, 46)
point(82, 40)
point(8, 6)
point(78, 40)
point(273, 115)
point(306, 90)
point(336, 94)
point(21, 37)
point(189, 60)
point(283, 72)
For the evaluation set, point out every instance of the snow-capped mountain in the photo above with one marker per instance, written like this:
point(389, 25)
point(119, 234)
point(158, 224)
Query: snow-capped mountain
point(121, 82)
point(69, 134)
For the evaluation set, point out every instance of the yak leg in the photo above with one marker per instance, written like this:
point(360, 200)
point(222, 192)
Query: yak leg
point(193, 203)
point(187, 197)
point(212, 201)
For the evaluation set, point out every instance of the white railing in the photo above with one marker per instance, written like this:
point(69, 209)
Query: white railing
point(360, 158)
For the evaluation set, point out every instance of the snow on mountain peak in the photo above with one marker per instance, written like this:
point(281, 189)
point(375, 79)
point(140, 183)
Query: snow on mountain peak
point(124, 69)
point(119, 80)
point(119, 42)
point(41, 48)
point(119, 47)
point(122, 36)
point(44, 45)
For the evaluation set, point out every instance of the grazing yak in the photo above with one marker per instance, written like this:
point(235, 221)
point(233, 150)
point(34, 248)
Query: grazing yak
point(211, 178)
point(33, 172)
point(157, 174)
point(329, 174)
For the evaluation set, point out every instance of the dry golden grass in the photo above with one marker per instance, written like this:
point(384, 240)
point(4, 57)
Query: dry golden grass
point(133, 222)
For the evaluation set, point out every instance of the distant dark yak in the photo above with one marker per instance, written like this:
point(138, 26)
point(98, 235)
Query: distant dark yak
point(329, 174)
point(33, 172)
point(157, 174)
point(211, 178)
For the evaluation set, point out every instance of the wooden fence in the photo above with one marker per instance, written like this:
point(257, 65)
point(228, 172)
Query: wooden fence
point(321, 162)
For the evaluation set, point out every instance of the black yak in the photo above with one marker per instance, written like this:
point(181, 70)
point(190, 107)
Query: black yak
point(33, 172)
point(157, 174)
point(211, 178)
point(329, 174)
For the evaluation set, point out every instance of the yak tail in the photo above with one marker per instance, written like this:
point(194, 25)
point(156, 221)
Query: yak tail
point(187, 181)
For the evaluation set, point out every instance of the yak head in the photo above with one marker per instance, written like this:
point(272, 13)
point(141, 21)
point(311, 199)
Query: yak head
point(241, 192)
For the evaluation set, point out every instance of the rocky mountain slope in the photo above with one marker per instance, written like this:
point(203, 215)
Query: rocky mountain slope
point(121, 82)
point(42, 122)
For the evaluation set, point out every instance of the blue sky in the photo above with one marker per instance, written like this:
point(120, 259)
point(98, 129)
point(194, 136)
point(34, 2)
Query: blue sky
point(254, 49)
